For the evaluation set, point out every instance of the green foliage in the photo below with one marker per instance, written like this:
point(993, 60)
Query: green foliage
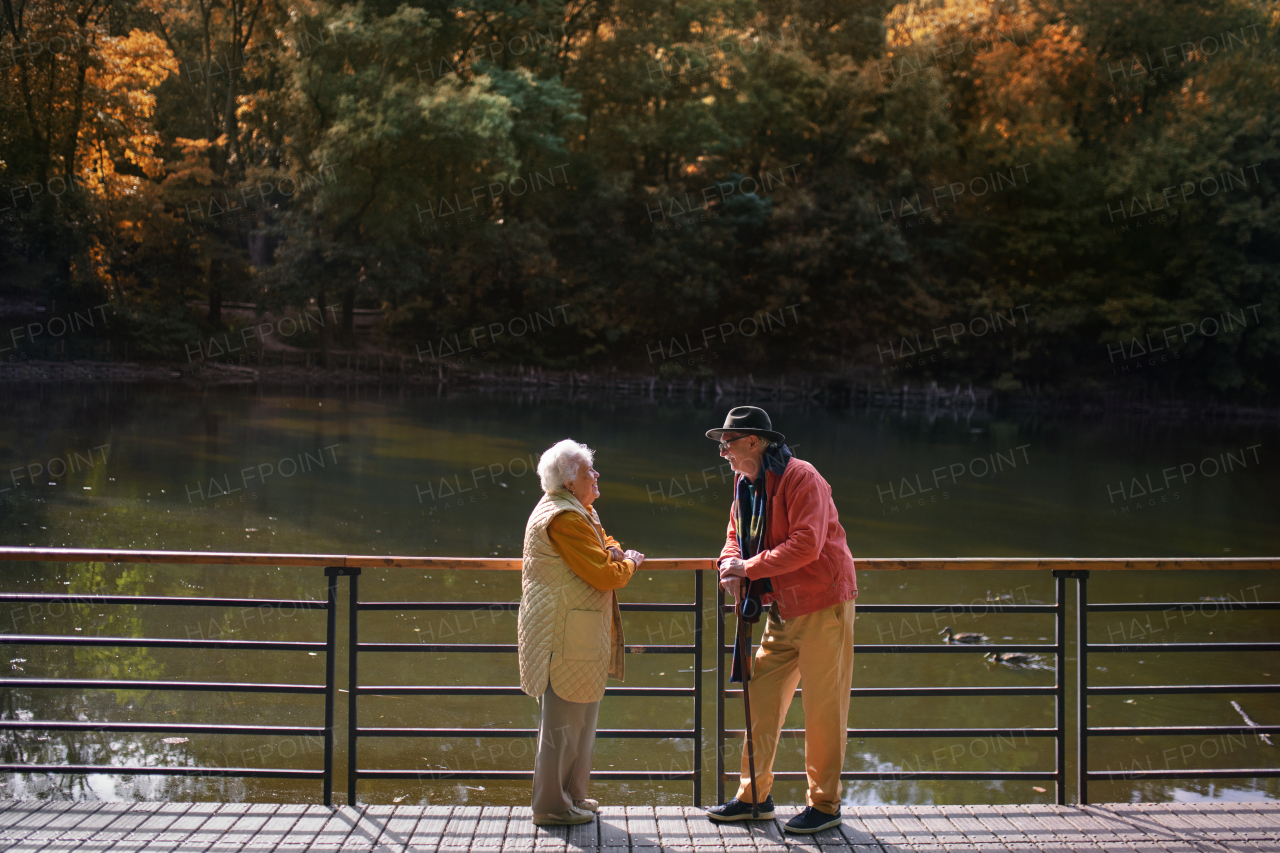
point(158, 330)
point(887, 171)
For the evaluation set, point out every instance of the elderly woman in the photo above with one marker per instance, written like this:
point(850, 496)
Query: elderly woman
point(570, 628)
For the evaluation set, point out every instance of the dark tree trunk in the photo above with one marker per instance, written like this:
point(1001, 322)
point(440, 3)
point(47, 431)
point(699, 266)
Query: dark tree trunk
point(217, 157)
point(349, 314)
point(215, 306)
point(324, 338)
point(215, 292)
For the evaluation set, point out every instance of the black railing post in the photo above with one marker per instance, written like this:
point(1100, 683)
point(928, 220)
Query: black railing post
point(697, 687)
point(330, 686)
point(1060, 682)
point(1082, 687)
point(719, 692)
point(353, 683)
point(330, 681)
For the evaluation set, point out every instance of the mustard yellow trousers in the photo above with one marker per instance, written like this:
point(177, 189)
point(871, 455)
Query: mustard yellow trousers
point(814, 651)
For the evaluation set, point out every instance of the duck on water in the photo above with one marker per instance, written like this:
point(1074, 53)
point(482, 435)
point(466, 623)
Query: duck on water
point(970, 637)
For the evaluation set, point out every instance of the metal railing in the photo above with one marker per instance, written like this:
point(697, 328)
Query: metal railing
point(325, 731)
point(1056, 692)
point(355, 732)
point(336, 566)
point(1084, 732)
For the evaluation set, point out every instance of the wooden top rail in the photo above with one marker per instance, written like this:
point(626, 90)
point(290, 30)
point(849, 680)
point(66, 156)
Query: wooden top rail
point(228, 558)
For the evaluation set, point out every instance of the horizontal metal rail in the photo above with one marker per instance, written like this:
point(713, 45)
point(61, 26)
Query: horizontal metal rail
point(158, 728)
point(122, 684)
point(925, 775)
point(502, 648)
point(1153, 689)
point(600, 733)
point(1230, 604)
point(524, 775)
point(158, 643)
point(174, 600)
point(1183, 647)
point(447, 690)
point(157, 770)
point(858, 733)
point(952, 649)
point(1202, 773)
point(1183, 730)
point(979, 607)
point(510, 606)
point(935, 691)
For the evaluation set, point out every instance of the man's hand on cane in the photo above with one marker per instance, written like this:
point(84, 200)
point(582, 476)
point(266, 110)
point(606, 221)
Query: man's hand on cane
point(732, 572)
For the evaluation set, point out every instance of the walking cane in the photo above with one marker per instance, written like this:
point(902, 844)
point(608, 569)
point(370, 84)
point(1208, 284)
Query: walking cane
point(746, 699)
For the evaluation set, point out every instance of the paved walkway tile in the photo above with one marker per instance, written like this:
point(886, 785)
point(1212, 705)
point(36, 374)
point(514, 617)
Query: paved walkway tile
point(38, 827)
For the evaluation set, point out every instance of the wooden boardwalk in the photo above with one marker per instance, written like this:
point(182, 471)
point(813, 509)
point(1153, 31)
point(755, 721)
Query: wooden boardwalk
point(34, 827)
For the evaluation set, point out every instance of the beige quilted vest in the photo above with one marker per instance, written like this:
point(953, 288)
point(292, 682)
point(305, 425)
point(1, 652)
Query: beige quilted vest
point(568, 630)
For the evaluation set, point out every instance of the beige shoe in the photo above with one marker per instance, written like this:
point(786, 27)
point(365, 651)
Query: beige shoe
point(587, 805)
point(572, 817)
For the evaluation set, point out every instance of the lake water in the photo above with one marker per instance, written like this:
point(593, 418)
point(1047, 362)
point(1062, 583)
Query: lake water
point(407, 470)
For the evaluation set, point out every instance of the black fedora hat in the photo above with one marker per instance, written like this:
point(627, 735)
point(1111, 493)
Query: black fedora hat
point(747, 419)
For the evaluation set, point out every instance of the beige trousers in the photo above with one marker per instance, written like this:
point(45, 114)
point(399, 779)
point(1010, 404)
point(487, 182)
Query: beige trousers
point(814, 651)
point(566, 738)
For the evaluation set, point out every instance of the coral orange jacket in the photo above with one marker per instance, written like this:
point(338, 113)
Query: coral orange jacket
point(805, 552)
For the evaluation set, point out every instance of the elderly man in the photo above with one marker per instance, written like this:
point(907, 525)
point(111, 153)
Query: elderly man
point(785, 545)
point(570, 628)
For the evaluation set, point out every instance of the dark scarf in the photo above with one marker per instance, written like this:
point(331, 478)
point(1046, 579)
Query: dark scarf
point(750, 522)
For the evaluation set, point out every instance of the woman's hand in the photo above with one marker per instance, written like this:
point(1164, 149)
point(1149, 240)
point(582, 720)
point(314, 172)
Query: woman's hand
point(616, 554)
point(636, 557)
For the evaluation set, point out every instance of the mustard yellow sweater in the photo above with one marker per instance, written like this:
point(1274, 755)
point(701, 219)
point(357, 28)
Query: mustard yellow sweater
point(577, 544)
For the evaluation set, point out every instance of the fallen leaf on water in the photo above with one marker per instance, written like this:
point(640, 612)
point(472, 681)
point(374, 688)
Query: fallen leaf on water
point(1038, 789)
point(174, 740)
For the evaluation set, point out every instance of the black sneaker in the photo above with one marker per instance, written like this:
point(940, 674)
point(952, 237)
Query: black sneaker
point(736, 809)
point(812, 820)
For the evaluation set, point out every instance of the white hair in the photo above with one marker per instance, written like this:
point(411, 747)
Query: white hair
point(560, 462)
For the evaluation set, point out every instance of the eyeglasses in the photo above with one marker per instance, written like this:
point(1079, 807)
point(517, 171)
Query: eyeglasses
point(724, 445)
